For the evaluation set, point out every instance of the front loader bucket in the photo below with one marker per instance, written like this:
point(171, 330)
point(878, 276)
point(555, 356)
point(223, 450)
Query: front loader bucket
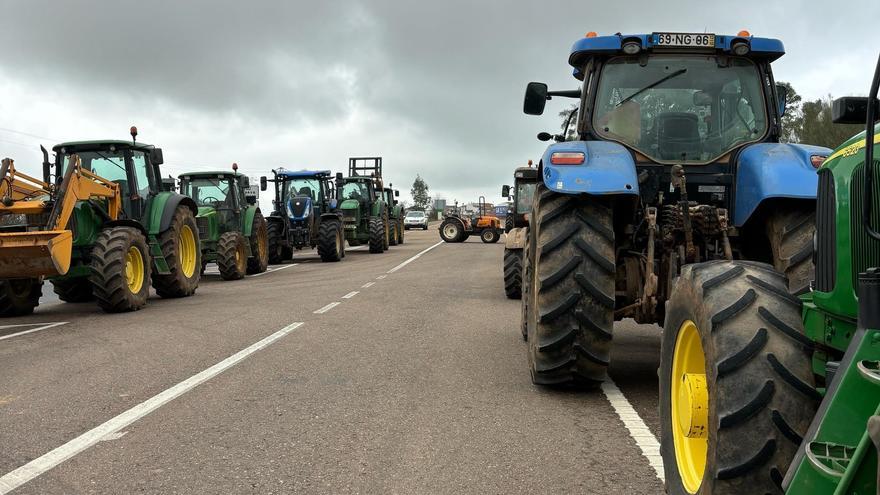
point(34, 254)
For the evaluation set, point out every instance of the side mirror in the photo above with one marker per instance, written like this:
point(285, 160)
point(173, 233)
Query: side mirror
point(535, 99)
point(781, 95)
point(169, 184)
point(852, 110)
point(264, 183)
point(396, 194)
point(156, 157)
point(396, 202)
point(544, 136)
point(505, 191)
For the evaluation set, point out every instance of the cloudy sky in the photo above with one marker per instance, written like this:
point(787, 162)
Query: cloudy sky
point(433, 87)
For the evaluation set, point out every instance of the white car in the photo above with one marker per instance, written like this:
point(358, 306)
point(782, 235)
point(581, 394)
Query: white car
point(415, 219)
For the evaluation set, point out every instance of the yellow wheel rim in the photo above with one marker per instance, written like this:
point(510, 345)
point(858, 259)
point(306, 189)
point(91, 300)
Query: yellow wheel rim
point(240, 257)
point(187, 249)
point(689, 401)
point(134, 269)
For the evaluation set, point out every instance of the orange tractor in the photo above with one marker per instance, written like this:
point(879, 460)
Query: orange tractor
point(457, 227)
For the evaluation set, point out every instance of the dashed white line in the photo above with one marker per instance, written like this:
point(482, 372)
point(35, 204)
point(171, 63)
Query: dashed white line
point(380, 277)
point(398, 267)
point(368, 285)
point(326, 308)
point(283, 267)
point(638, 430)
point(109, 429)
point(351, 294)
point(38, 327)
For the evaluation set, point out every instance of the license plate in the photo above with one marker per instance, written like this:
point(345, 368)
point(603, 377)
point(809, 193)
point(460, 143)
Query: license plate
point(694, 40)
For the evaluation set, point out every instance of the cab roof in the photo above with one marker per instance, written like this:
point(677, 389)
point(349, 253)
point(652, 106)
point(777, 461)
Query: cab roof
point(101, 144)
point(210, 173)
point(293, 174)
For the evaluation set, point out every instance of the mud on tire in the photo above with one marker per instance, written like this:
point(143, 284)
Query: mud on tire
point(791, 240)
point(177, 283)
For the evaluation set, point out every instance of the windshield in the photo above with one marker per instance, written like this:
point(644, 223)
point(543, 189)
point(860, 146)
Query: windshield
point(208, 192)
point(415, 214)
point(680, 108)
point(110, 165)
point(302, 187)
point(355, 190)
point(524, 193)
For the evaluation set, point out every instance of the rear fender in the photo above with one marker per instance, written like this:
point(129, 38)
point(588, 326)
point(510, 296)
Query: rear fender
point(516, 238)
point(608, 169)
point(124, 222)
point(774, 170)
point(247, 220)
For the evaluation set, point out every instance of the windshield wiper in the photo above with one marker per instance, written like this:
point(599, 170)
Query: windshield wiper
point(109, 160)
point(652, 85)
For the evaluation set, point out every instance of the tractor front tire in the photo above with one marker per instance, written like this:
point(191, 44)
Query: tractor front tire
point(331, 242)
point(489, 236)
point(276, 243)
point(73, 290)
point(180, 247)
point(736, 381)
point(393, 235)
point(232, 256)
point(791, 232)
point(259, 241)
point(377, 235)
point(508, 223)
point(120, 267)
point(400, 231)
point(451, 231)
point(513, 276)
point(19, 296)
point(574, 280)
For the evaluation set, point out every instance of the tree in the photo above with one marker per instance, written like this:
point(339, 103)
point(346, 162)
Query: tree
point(419, 193)
point(817, 127)
point(793, 119)
point(572, 128)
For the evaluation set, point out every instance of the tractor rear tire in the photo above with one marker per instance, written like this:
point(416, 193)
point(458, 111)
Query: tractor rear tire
point(393, 235)
point(451, 231)
point(513, 268)
point(400, 231)
point(791, 239)
point(737, 329)
point(527, 286)
point(331, 241)
point(120, 269)
point(232, 255)
point(489, 236)
point(180, 246)
point(73, 290)
point(387, 237)
point(377, 235)
point(276, 246)
point(574, 280)
point(259, 241)
point(19, 296)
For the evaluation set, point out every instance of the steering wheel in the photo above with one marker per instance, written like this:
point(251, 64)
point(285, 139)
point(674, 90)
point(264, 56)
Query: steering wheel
point(206, 199)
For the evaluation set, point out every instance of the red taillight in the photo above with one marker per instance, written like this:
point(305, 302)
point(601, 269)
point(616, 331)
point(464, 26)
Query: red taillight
point(567, 158)
point(817, 160)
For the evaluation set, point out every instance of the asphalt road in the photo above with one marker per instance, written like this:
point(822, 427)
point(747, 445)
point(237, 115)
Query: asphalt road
point(415, 381)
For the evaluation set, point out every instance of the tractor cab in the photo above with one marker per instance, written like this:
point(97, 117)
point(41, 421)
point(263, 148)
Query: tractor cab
point(524, 181)
point(303, 193)
point(220, 194)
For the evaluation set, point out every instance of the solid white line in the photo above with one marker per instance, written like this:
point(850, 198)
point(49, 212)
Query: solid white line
point(49, 460)
point(356, 248)
point(638, 430)
point(284, 267)
point(368, 285)
point(326, 308)
point(398, 267)
point(351, 294)
point(40, 326)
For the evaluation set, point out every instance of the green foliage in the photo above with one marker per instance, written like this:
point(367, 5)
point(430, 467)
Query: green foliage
point(419, 193)
point(572, 128)
point(810, 122)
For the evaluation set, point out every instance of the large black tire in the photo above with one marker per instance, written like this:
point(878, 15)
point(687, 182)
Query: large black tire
point(387, 237)
point(400, 231)
point(232, 255)
point(489, 236)
point(790, 231)
point(114, 268)
point(19, 296)
point(377, 235)
point(393, 235)
point(513, 268)
point(259, 241)
point(757, 370)
point(527, 285)
point(276, 243)
point(451, 230)
point(508, 223)
point(573, 302)
point(179, 282)
point(73, 290)
point(331, 241)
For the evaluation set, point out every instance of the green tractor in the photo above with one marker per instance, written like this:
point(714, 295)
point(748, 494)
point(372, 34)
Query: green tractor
point(364, 213)
point(101, 227)
point(232, 230)
point(765, 392)
point(395, 214)
point(525, 179)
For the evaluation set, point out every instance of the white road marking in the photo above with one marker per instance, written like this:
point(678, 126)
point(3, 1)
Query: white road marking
point(398, 267)
point(368, 285)
point(283, 267)
point(638, 430)
point(356, 248)
point(326, 308)
point(380, 277)
point(351, 294)
point(14, 479)
point(39, 326)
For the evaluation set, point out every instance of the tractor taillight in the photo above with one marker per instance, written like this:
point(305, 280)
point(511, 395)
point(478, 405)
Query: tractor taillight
point(562, 158)
point(817, 160)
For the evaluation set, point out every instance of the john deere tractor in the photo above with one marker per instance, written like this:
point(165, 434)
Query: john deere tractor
point(676, 160)
point(364, 212)
point(395, 215)
point(232, 230)
point(101, 227)
point(765, 392)
point(525, 179)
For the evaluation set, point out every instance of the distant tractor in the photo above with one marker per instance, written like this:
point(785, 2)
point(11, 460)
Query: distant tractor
point(457, 227)
point(525, 179)
point(232, 230)
point(765, 392)
point(100, 228)
point(676, 160)
point(395, 214)
point(361, 202)
point(305, 215)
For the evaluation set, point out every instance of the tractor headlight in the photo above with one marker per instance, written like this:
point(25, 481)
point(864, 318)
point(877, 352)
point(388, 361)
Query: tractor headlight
point(631, 47)
point(289, 211)
point(740, 48)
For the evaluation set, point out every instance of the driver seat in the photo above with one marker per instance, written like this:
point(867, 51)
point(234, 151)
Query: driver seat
point(678, 135)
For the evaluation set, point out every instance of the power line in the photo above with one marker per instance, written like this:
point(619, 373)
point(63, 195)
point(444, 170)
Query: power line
point(28, 134)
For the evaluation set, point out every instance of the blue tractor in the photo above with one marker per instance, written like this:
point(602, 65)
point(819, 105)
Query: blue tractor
point(675, 160)
point(304, 215)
